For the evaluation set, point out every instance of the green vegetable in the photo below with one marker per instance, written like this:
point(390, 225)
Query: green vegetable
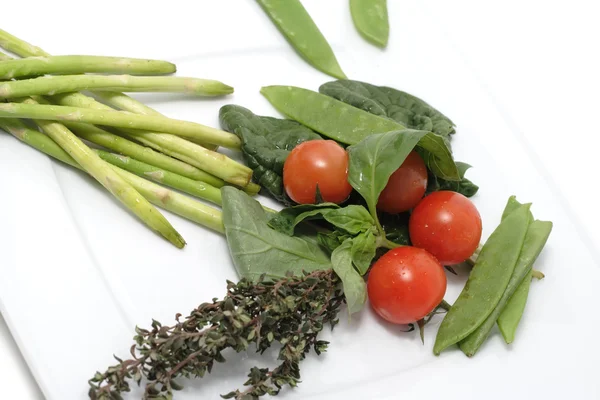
point(294, 22)
point(33, 66)
point(212, 162)
point(256, 249)
point(352, 224)
point(286, 220)
point(371, 20)
point(396, 105)
point(487, 282)
point(350, 125)
point(169, 200)
point(119, 119)
point(126, 147)
point(373, 160)
point(73, 83)
point(463, 186)
point(509, 318)
point(266, 143)
point(186, 185)
point(355, 288)
point(364, 247)
point(534, 242)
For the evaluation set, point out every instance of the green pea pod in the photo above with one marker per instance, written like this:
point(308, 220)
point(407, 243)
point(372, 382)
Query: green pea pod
point(535, 239)
point(371, 20)
point(487, 282)
point(509, 319)
point(294, 22)
point(350, 125)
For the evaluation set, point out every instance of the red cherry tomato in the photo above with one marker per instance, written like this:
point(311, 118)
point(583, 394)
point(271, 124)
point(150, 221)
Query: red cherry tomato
point(317, 162)
point(447, 225)
point(406, 284)
point(405, 187)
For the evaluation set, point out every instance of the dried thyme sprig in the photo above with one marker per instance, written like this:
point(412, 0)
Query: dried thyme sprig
point(291, 311)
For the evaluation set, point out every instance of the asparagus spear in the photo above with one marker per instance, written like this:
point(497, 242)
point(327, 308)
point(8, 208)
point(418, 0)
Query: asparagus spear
point(24, 49)
point(189, 186)
point(183, 148)
point(123, 102)
point(107, 177)
point(121, 119)
point(126, 147)
point(177, 203)
point(33, 66)
point(127, 83)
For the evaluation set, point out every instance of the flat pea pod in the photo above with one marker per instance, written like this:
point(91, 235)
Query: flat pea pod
point(487, 282)
point(371, 20)
point(350, 125)
point(326, 115)
point(294, 22)
point(535, 239)
point(509, 319)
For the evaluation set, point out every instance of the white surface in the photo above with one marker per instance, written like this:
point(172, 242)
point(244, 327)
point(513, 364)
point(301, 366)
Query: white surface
point(527, 63)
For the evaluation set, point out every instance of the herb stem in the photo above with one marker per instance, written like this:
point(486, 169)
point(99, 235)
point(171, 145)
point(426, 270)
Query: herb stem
point(537, 274)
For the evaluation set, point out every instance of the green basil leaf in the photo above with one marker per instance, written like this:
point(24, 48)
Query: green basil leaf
point(363, 251)
point(352, 219)
point(286, 220)
point(400, 106)
point(435, 151)
point(332, 240)
point(375, 158)
point(464, 186)
point(256, 249)
point(355, 288)
point(266, 143)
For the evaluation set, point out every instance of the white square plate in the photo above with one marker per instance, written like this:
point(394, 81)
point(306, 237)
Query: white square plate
point(78, 272)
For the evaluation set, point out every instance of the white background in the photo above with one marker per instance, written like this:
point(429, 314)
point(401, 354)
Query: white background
point(538, 60)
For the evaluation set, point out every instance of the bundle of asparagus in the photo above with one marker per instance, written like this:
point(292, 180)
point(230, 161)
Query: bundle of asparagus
point(146, 145)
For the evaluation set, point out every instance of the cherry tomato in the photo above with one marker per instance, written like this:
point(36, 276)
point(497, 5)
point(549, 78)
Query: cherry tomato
point(405, 187)
point(317, 162)
point(447, 225)
point(406, 284)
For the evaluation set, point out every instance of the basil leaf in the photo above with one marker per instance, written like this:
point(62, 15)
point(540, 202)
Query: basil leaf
point(464, 186)
point(286, 220)
point(355, 288)
point(375, 158)
point(363, 250)
point(400, 106)
point(266, 143)
point(352, 219)
point(332, 240)
point(257, 249)
point(435, 151)
point(396, 227)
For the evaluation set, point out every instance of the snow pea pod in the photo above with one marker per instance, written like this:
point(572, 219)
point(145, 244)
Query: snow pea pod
point(326, 115)
point(487, 282)
point(510, 316)
point(371, 20)
point(509, 319)
point(535, 239)
point(294, 22)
